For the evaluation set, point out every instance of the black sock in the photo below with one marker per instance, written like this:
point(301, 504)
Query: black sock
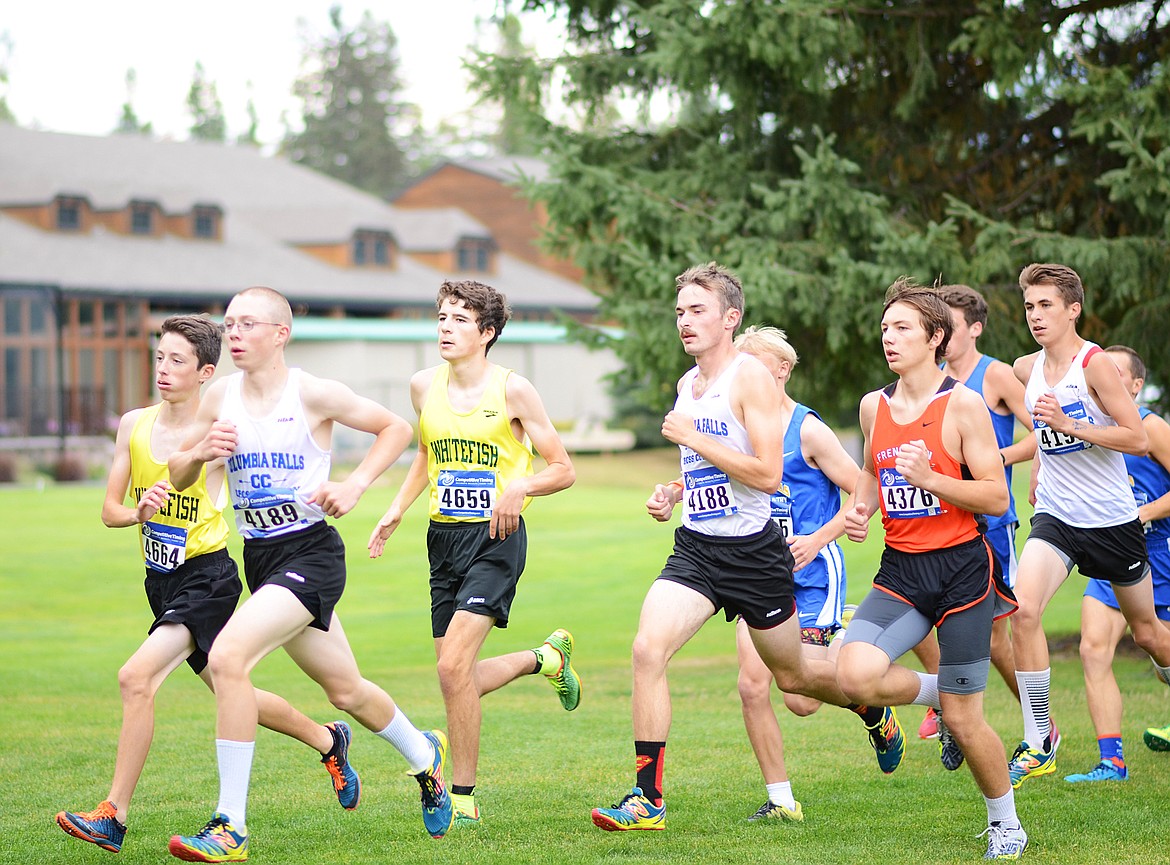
point(869, 714)
point(649, 757)
point(334, 751)
point(462, 790)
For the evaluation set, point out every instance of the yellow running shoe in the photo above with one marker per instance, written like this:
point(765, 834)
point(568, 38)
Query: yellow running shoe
point(771, 811)
point(1157, 738)
point(218, 841)
point(1028, 762)
point(466, 811)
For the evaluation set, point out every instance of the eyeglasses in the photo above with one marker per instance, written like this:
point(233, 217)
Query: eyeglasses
point(246, 325)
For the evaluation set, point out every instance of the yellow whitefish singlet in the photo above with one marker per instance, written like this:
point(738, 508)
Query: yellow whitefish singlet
point(190, 524)
point(471, 456)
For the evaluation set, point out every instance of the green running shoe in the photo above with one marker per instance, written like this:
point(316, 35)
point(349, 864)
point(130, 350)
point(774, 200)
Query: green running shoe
point(563, 677)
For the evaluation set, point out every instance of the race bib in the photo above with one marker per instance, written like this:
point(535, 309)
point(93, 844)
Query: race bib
point(466, 494)
point(164, 547)
point(268, 510)
point(903, 500)
point(1053, 442)
point(782, 511)
point(708, 494)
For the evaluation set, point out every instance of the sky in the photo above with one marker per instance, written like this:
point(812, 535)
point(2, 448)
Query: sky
point(67, 59)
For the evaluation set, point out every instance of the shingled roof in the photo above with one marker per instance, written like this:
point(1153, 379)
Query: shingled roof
point(270, 206)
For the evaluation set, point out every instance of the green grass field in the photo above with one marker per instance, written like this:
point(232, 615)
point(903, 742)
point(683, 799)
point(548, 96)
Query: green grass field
point(72, 610)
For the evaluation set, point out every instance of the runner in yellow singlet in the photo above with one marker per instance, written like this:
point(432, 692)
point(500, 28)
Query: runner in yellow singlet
point(476, 420)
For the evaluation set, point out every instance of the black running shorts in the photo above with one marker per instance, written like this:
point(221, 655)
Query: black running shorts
point(201, 594)
point(470, 570)
point(1116, 553)
point(309, 563)
point(749, 576)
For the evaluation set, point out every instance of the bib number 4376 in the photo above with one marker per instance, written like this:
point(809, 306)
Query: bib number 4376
point(903, 500)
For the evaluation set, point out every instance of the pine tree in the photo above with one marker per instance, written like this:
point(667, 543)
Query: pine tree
point(208, 123)
point(352, 107)
point(824, 149)
point(128, 122)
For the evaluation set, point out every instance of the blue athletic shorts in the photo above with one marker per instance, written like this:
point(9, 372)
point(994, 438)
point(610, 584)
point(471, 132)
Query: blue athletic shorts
point(1002, 540)
point(820, 590)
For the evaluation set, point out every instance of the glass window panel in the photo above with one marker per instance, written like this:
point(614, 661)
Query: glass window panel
point(141, 219)
point(68, 213)
point(38, 314)
point(110, 319)
point(13, 314)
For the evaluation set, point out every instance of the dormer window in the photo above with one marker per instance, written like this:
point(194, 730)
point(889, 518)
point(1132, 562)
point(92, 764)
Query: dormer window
point(372, 249)
point(69, 213)
point(141, 218)
point(474, 256)
point(206, 222)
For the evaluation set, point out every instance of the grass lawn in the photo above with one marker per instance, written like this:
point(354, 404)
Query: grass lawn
point(72, 610)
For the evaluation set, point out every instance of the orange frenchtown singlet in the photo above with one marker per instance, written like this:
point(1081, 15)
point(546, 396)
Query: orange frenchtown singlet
point(915, 520)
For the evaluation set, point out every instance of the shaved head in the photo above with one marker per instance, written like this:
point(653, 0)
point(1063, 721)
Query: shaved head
point(276, 306)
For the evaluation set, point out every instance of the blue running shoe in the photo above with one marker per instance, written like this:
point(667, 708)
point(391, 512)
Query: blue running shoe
point(99, 826)
point(437, 811)
point(1004, 843)
point(633, 812)
point(949, 751)
point(886, 738)
point(1106, 770)
point(346, 782)
point(218, 841)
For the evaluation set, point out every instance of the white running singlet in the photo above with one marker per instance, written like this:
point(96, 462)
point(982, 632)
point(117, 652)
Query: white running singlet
point(276, 465)
point(713, 503)
point(1081, 484)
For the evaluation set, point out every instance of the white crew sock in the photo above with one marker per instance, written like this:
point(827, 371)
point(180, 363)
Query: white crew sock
point(780, 793)
point(409, 742)
point(235, 771)
point(927, 690)
point(1003, 810)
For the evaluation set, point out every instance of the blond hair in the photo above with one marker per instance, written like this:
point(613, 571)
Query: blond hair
point(764, 339)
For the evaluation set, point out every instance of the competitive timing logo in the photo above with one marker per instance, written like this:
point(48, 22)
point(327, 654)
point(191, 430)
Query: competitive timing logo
point(446, 479)
point(891, 478)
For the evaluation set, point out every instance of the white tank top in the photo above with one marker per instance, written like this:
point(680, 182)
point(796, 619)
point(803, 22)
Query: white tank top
point(276, 465)
point(713, 503)
point(1082, 484)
